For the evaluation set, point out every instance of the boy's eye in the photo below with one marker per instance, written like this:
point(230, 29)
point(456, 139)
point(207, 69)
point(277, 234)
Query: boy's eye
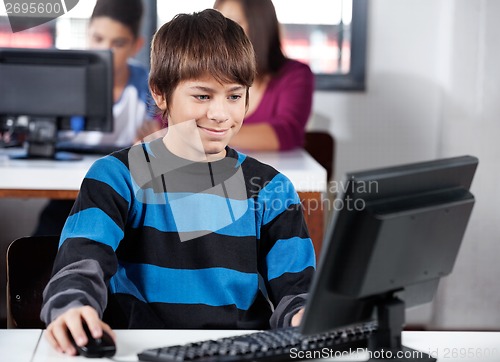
point(234, 97)
point(202, 97)
point(119, 43)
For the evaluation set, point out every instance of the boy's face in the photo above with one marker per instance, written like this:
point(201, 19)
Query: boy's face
point(106, 33)
point(203, 116)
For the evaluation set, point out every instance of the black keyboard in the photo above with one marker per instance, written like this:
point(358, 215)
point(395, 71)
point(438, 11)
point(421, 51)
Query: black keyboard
point(272, 345)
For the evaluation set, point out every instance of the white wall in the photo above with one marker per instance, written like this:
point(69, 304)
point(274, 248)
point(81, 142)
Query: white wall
point(433, 81)
point(471, 124)
point(432, 91)
point(398, 118)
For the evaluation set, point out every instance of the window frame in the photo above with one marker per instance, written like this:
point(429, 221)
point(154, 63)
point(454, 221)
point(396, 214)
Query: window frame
point(355, 79)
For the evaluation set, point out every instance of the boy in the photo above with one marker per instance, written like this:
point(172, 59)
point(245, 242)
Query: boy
point(184, 232)
point(115, 25)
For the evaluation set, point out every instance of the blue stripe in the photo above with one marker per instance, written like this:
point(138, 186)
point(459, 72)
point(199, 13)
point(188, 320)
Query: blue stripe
point(277, 196)
point(155, 284)
point(119, 179)
point(190, 211)
point(241, 158)
point(102, 228)
point(290, 256)
point(187, 212)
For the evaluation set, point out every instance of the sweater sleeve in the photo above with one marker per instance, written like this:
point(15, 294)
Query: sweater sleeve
point(86, 258)
point(295, 88)
point(287, 252)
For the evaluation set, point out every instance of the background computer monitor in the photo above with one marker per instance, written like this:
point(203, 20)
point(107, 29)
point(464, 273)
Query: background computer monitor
point(56, 90)
point(396, 233)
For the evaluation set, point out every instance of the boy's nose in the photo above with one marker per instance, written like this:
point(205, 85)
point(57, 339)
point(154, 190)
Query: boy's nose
point(217, 112)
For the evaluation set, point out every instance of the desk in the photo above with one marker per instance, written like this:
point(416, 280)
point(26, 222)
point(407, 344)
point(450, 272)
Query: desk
point(18, 344)
point(446, 346)
point(62, 179)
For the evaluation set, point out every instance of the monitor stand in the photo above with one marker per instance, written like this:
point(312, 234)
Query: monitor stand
point(41, 141)
point(385, 343)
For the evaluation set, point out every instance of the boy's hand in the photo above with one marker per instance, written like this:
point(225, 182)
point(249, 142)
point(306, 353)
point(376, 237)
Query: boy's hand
point(70, 321)
point(297, 318)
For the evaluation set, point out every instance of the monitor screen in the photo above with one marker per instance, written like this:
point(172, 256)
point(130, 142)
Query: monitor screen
point(56, 90)
point(396, 231)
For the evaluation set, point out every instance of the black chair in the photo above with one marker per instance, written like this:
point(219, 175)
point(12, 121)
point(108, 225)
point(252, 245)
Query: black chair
point(321, 146)
point(29, 267)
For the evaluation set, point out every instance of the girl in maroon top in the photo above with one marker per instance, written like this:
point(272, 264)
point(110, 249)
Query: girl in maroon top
point(281, 96)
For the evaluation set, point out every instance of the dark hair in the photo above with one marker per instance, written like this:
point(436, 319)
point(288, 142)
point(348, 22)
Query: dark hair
point(191, 46)
point(127, 12)
point(264, 32)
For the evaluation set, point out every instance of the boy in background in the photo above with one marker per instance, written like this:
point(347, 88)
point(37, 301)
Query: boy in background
point(115, 25)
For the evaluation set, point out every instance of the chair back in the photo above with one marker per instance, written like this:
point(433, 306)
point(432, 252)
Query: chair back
point(29, 267)
point(321, 146)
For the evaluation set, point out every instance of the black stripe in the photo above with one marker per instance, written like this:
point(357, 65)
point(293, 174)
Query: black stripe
point(122, 156)
point(110, 201)
point(211, 174)
point(288, 224)
point(257, 175)
point(125, 311)
point(77, 249)
point(150, 246)
point(179, 175)
point(290, 284)
point(252, 167)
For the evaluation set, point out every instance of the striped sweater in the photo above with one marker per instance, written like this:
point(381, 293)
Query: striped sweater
point(156, 241)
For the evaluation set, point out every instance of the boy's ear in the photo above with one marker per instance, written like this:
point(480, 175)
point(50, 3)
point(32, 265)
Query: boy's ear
point(159, 100)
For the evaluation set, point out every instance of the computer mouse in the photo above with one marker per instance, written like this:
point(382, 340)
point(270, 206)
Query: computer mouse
point(95, 347)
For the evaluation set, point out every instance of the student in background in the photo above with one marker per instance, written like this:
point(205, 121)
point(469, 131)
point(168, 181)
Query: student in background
point(281, 97)
point(115, 25)
point(184, 231)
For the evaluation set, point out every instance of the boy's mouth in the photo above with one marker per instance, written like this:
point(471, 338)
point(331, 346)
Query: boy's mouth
point(214, 131)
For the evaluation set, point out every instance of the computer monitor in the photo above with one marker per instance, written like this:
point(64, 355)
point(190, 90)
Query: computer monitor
point(56, 90)
point(395, 233)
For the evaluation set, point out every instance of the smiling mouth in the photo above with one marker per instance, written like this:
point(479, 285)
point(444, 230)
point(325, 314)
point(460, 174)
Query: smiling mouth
point(215, 131)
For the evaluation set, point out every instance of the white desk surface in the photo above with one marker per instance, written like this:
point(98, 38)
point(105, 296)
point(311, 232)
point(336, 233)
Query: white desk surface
point(20, 345)
point(306, 174)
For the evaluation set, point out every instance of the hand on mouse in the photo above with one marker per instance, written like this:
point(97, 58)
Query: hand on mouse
point(71, 320)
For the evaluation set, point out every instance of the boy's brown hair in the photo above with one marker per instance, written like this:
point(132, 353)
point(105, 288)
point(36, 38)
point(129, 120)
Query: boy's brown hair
point(191, 46)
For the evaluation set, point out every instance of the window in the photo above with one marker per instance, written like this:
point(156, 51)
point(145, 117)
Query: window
point(328, 35)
